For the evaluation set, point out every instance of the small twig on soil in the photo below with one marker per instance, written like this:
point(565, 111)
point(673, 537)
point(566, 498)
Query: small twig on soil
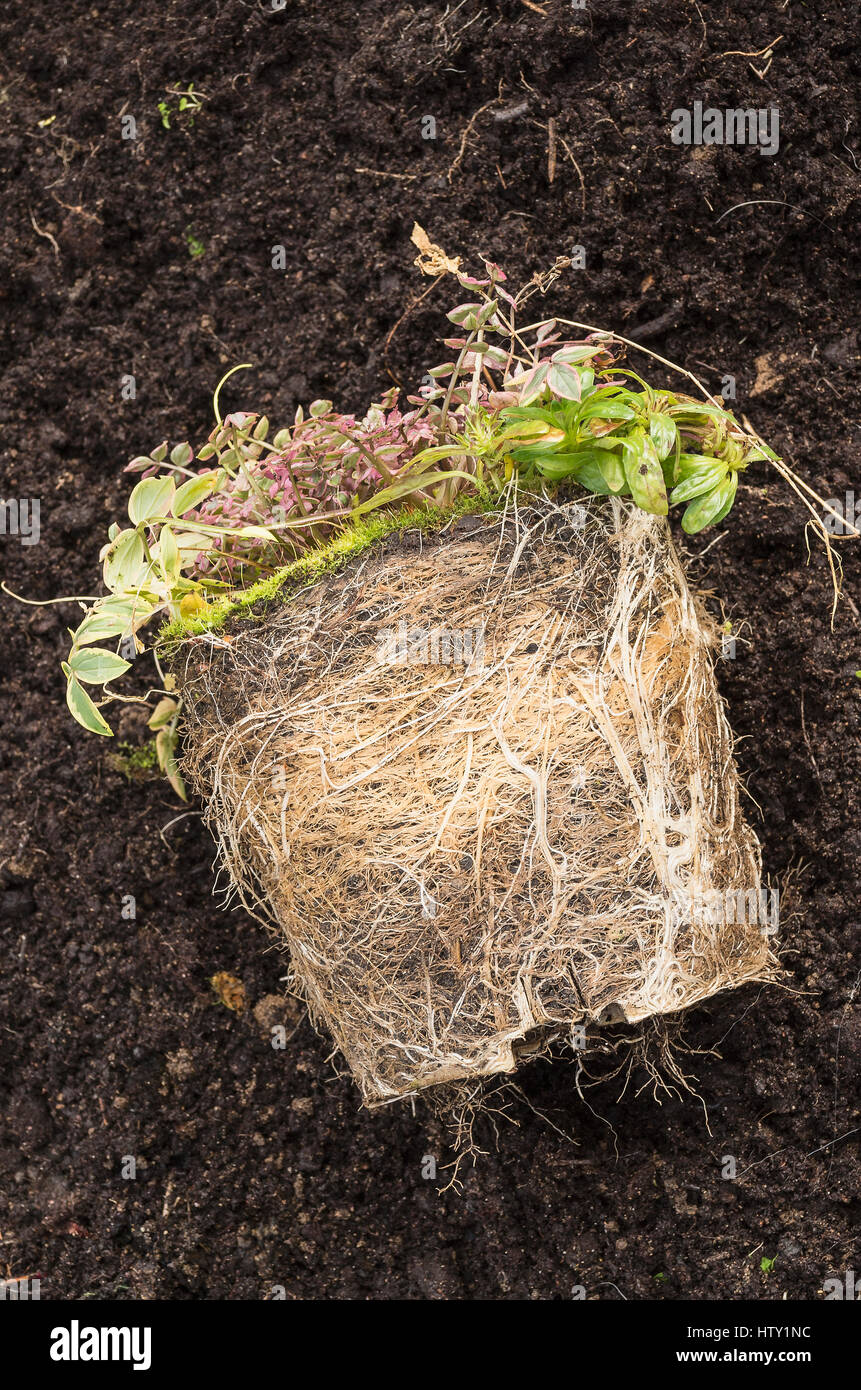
point(808, 746)
point(537, 8)
point(79, 209)
point(512, 112)
point(47, 235)
point(853, 607)
point(384, 174)
point(547, 1120)
point(556, 137)
point(719, 537)
point(776, 202)
point(163, 828)
point(740, 53)
point(456, 163)
point(567, 150)
point(838, 1140)
point(653, 328)
point(761, 72)
point(551, 149)
point(846, 124)
point(702, 21)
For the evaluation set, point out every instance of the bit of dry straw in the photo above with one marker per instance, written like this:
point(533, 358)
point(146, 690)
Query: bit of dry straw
point(469, 857)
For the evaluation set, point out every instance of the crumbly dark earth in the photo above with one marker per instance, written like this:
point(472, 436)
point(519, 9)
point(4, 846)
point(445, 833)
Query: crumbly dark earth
point(256, 1167)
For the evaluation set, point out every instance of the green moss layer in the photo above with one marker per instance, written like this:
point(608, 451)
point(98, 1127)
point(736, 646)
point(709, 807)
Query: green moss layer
point(135, 761)
point(326, 559)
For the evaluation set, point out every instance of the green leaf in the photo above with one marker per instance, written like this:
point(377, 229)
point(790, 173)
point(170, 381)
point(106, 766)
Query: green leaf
point(564, 381)
point(534, 384)
point(163, 713)
point(663, 432)
point(553, 466)
point(398, 490)
point(590, 476)
point(97, 666)
point(165, 745)
point(182, 455)
point(702, 410)
point(606, 408)
point(731, 486)
point(434, 454)
point(151, 497)
point(493, 356)
point(712, 507)
point(465, 315)
point(698, 481)
point(82, 707)
point(100, 624)
point(126, 609)
point(168, 554)
point(193, 541)
point(612, 470)
point(547, 413)
point(760, 452)
point(257, 533)
point(644, 474)
point(689, 463)
point(125, 563)
point(576, 354)
point(586, 466)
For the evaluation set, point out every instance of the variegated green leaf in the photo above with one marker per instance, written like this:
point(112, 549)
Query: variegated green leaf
point(97, 666)
point(151, 497)
point(82, 707)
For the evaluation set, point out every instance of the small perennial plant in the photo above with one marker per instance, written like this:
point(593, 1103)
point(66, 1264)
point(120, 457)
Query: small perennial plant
point(529, 407)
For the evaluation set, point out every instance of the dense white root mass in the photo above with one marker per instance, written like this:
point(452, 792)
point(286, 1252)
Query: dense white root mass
point(482, 785)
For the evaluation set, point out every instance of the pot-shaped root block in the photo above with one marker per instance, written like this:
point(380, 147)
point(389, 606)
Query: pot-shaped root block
point(482, 784)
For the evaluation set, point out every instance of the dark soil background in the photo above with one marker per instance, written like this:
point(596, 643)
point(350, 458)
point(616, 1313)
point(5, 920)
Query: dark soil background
point(257, 1168)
